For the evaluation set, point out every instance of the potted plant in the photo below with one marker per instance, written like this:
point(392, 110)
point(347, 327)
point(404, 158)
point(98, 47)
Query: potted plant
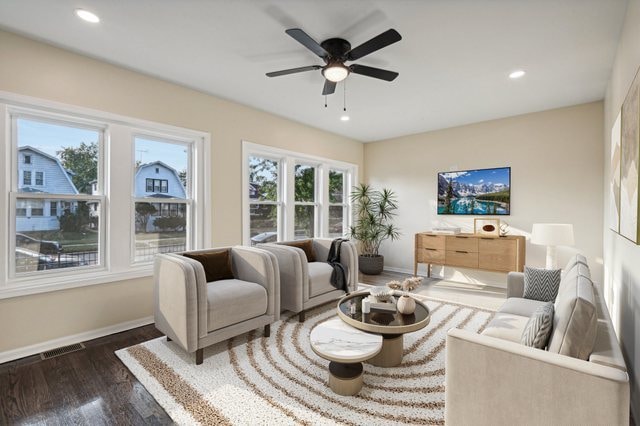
point(374, 212)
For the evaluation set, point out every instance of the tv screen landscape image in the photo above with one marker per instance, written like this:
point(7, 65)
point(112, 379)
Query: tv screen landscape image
point(475, 192)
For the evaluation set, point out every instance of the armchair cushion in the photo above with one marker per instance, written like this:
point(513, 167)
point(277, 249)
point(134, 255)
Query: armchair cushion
point(520, 306)
point(233, 301)
point(216, 264)
point(541, 284)
point(304, 245)
point(320, 278)
point(506, 327)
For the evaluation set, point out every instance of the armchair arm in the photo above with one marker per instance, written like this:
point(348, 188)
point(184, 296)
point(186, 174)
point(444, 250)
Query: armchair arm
point(180, 296)
point(493, 381)
point(348, 258)
point(261, 267)
point(515, 284)
point(294, 275)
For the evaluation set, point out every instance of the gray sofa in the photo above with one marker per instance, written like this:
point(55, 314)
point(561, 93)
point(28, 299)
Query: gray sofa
point(303, 284)
point(195, 314)
point(493, 379)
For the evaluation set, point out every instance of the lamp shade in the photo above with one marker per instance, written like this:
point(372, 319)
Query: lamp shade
point(552, 234)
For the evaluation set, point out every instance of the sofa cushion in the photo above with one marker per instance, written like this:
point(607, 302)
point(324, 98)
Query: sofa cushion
point(233, 301)
point(506, 327)
point(304, 245)
point(536, 332)
point(216, 264)
point(575, 319)
point(520, 306)
point(320, 278)
point(541, 284)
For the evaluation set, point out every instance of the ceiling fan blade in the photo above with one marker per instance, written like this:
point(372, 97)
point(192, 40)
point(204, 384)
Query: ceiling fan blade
point(293, 71)
point(373, 72)
point(304, 39)
point(378, 42)
point(329, 88)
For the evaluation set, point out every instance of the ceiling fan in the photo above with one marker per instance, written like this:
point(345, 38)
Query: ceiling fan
point(336, 51)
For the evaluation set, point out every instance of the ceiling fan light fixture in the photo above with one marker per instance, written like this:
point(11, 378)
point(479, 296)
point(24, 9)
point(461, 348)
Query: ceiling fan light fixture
point(335, 72)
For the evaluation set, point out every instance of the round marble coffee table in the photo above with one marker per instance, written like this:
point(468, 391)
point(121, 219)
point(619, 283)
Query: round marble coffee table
point(346, 347)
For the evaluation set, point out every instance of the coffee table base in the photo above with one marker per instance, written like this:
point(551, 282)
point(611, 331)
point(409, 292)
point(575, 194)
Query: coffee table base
point(345, 379)
point(391, 353)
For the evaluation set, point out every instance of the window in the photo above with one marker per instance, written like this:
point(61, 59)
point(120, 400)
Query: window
point(76, 217)
point(71, 151)
point(161, 227)
point(305, 201)
point(288, 195)
point(264, 205)
point(338, 205)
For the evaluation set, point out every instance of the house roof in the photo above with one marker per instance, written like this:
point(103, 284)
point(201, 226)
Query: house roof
point(166, 166)
point(66, 173)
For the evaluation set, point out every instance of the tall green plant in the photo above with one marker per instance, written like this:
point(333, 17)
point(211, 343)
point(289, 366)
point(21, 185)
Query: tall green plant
point(374, 213)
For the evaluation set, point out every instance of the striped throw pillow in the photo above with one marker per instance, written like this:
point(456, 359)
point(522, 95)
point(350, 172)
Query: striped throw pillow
point(541, 284)
point(538, 329)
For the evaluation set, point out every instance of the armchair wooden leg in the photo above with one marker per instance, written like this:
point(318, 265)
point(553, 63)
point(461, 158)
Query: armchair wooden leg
point(168, 339)
point(267, 330)
point(301, 316)
point(199, 356)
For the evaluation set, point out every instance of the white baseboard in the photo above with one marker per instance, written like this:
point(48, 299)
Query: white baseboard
point(24, 351)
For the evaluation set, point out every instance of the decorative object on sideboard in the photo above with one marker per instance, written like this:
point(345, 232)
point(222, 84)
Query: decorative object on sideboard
point(406, 304)
point(475, 192)
point(504, 229)
point(486, 227)
point(630, 162)
point(552, 235)
point(446, 230)
point(374, 214)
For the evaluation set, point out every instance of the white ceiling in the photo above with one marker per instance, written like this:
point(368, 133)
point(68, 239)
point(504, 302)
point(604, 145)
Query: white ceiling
point(453, 60)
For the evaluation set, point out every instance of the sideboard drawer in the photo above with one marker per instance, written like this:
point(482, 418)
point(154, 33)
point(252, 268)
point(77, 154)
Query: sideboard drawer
point(431, 241)
point(430, 255)
point(461, 258)
point(498, 254)
point(469, 244)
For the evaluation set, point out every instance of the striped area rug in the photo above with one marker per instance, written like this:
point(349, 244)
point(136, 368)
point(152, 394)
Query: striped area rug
point(252, 380)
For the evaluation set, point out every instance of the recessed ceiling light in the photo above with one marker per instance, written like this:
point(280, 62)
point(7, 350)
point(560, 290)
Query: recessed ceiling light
point(517, 74)
point(345, 118)
point(85, 15)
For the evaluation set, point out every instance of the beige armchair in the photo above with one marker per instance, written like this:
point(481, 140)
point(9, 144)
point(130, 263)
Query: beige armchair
point(304, 285)
point(194, 313)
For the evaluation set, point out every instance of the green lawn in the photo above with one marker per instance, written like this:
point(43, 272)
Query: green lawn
point(72, 242)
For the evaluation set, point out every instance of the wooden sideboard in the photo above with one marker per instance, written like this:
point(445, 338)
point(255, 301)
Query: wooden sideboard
point(501, 254)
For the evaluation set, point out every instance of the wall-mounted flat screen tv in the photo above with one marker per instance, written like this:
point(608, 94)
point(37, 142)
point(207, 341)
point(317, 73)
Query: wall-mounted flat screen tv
point(475, 192)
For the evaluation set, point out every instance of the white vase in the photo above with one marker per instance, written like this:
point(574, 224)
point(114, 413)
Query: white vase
point(406, 305)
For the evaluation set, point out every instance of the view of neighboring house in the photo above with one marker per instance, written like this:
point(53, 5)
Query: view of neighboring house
point(159, 180)
point(39, 172)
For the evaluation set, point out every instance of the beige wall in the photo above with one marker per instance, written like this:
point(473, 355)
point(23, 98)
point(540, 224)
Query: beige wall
point(556, 176)
point(621, 256)
point(37, 69)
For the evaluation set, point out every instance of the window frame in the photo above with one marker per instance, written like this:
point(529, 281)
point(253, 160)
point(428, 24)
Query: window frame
point(114, 201)
point(287, 161)
point(280, 203)
point(347, 182)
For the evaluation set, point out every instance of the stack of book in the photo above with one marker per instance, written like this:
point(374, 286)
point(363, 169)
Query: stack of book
point(388, 306)
point(449, 230)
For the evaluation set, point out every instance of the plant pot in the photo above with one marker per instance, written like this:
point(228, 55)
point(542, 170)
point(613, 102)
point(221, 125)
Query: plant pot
point(406, 305)
point(371, 265)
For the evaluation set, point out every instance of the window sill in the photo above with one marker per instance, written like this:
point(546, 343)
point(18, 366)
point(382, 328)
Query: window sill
point(30, 286)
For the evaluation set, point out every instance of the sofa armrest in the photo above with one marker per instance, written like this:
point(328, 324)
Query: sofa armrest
point(515, 284)
point(261, 267)
point(348, 258)
point(294, 275)
point(493, 381)
point(180, 298)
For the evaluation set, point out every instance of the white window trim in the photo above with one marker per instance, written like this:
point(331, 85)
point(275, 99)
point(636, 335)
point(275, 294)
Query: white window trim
point(113, 270)
point(288, 160)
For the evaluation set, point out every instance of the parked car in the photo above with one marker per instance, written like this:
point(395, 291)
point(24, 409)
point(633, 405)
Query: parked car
point(40, 246)
point(265, 237)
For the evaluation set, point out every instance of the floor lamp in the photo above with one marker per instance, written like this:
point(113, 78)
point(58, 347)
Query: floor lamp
point(552, 235)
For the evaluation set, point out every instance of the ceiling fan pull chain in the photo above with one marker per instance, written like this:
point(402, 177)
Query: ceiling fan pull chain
point(325, 101)
point(344, 98)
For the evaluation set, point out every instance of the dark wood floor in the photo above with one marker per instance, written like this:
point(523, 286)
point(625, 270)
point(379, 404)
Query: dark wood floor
point(89, 387)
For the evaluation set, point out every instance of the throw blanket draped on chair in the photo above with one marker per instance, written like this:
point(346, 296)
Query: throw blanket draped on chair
point(339, 274)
